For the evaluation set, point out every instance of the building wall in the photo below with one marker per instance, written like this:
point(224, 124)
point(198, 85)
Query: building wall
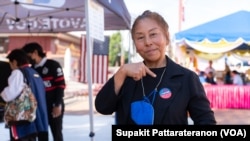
point(55, 47)
point(19, 41)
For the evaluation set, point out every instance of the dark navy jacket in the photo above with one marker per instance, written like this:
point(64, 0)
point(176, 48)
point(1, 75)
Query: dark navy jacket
point(41, 122)
point(187, 96)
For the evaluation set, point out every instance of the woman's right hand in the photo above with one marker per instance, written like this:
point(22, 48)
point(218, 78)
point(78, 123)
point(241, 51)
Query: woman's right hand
point(137, 70)
point(133, 70)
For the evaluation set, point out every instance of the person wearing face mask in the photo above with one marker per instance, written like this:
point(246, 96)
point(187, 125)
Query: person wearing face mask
point(168, 92)
point(53, 78)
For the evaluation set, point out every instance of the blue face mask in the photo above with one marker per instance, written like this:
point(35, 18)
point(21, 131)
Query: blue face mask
point(142, 112)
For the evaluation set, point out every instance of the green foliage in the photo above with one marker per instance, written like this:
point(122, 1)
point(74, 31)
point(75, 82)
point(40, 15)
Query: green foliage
point(115, 49)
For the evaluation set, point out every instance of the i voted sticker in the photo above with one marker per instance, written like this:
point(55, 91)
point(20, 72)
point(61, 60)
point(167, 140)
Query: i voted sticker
point(165, 93)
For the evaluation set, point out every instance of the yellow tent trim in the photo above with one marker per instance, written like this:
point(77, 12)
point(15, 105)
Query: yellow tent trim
point(208, 56)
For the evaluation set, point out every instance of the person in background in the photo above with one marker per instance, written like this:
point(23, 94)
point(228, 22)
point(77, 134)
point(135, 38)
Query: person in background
point(227, 75)
point(30, 131)
point(236, 78)
point(210, 78)
point(53, 78)
point(202, 77)
point(174, 92)
point(210, 68)
point(241, 72)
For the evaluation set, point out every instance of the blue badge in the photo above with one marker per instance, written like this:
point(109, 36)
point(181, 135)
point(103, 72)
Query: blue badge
point(165, 93)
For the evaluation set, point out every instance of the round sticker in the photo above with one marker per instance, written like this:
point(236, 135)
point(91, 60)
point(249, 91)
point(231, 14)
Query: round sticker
point(165, 93)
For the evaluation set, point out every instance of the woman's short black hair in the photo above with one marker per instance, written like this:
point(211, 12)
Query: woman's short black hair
point(19, 55)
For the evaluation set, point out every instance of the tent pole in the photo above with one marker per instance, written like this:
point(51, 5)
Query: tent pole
point(89, 43)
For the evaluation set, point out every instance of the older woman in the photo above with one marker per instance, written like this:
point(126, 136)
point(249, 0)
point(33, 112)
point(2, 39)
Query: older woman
point(157, 85)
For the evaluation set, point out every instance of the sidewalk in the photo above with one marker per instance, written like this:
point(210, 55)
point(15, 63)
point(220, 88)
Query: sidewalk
point(76, 124)
point(77, 128)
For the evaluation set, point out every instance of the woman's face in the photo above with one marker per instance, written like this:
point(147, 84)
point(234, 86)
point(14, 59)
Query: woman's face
point(150, 40)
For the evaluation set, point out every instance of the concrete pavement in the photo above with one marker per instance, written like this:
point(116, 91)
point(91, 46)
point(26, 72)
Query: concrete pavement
point(76, 124)
point(77, 128)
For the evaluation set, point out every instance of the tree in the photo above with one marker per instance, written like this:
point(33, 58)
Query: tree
point(116, 51)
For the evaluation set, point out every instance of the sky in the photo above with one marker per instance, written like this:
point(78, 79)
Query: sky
point(196, 12)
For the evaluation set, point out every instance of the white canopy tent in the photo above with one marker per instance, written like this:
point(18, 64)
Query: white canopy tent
point(217, 39)
point(53, 16)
